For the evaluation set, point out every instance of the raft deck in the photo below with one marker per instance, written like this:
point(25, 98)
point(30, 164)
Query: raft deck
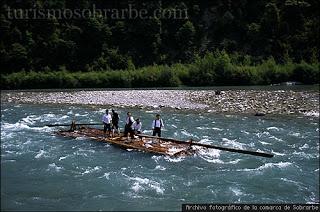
point(141, 142)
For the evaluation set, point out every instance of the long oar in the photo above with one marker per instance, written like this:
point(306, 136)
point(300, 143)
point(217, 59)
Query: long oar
point(262, 154)
point(67, 125)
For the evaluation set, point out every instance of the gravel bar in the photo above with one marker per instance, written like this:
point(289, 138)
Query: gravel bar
point(229, 101)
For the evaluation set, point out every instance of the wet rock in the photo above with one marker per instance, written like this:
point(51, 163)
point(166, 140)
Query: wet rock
point(218, 92)
point(259, 114)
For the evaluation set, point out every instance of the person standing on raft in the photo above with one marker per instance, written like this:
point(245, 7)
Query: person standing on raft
point(157, 125)
point(106, 120)
point(137, 126)
point(129, 126)
point(115, 122)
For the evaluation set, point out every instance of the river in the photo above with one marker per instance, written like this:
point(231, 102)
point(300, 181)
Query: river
point(41, 171)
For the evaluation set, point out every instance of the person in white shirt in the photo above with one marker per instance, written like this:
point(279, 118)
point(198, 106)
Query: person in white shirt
point(137, 126)
point(106, 120)
point(157, 125)
point(129, 126)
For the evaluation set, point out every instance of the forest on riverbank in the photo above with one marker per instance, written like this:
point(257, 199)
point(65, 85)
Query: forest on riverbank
point(191, 43)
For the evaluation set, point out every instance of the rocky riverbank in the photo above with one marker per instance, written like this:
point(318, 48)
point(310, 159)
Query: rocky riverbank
point(229, 101)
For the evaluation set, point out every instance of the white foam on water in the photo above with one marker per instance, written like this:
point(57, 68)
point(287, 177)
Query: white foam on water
point(203, 128)
point(278, 153)
point(188, 184)
point(174, 126)
point(13, 152)
point(264, 143)
point(161, 168)
point(29, 119)
point(41, 154)
point(274, 128)
point(49, 115)
point(217, 129)
point(156, 158)
point(280, 165)
point(174, 160)
point(275, 138)
point(64, 117)
point(236, 191)
point(173, 150)
point(36, 198)
point(289, 181)
point(90, 170)
point(54, 167)
point(100, 196)
point(205, 140)
point(147, 131)
point(245, 132)
point(70, 112)
point(20, 125)
point(87, 150)
point(259, 134)
point(81, 115)
point(210, 160)
point(295, 134)
point(304, 155)
point(234, 161)
point(305, 146)
point(80, 153)
point(5, 134)
point(184, 132)
point(5, 161)
point(233, 143)
point(209, 155)
point(63, 157)
point(106, 175)
point(142, 184)
point(208, 152)
point(27, 142)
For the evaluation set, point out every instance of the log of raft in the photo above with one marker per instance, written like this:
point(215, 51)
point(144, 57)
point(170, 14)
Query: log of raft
point(262, 154)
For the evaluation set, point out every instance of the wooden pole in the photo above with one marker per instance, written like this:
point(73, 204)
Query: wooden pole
point(67, 125)
point(262, 154)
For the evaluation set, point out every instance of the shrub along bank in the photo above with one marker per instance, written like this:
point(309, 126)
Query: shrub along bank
point(214, 69)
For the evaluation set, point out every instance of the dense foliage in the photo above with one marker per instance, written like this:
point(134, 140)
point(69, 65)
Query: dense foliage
point(213, 69)
point(221, 42)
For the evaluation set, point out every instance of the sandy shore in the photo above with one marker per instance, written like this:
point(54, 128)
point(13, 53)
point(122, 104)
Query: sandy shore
point(229, 101)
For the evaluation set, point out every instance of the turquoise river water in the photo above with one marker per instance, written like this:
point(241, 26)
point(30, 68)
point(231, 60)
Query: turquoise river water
point(40, 171)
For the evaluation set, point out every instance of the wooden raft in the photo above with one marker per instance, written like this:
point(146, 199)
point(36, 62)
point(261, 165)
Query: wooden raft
point(141, 142)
